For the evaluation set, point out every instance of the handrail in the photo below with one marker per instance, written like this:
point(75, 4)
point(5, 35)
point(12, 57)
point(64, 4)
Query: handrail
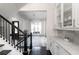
point(24, 34)
point(11, 23)
point(21, 40)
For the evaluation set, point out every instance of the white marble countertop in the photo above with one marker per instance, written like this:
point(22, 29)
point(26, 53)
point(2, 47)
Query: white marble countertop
point(72, 48)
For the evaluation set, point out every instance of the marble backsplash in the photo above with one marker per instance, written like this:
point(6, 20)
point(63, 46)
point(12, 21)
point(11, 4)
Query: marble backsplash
point(72, 35)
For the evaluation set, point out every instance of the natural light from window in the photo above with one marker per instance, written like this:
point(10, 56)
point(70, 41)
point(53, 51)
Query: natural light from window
point(36, 27)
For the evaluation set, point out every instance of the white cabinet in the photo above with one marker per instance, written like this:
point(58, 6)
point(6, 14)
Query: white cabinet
point(62, 51)
point(53, 48)
point(76, 14)
point(59, 15)
point(67, 15)
point(59, 50)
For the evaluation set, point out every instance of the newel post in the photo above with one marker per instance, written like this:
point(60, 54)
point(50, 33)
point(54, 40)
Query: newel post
point(30, 40)
point(25, 43)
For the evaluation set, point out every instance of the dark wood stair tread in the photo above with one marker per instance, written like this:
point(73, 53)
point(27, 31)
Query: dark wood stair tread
point(5, 52)
point(1, 45)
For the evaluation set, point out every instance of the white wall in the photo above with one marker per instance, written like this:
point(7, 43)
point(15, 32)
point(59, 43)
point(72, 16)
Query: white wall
point(50, 23)
point(10, 12)
point(43, 27)
point(24, 24)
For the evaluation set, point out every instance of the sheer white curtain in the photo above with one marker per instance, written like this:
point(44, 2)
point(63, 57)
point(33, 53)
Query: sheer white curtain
point(36, 27)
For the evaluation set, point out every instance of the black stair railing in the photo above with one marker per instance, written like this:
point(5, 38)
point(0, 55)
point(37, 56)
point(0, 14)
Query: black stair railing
point(26, 36)
point(21, 43)
point(31, 41)
point(10, 23)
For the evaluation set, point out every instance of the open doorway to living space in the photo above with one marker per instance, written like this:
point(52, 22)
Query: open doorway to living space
point(36, 28)
point(37, 22)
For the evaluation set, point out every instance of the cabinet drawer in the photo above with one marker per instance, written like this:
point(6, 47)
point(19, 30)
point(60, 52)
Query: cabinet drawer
point(63, 52)
point(60, 50)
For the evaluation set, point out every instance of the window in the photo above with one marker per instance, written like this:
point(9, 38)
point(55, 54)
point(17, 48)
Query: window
point(36, 27)
point(16, 24)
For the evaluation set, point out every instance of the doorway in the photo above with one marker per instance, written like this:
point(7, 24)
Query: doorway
point(37, 19)
point(15, 32)
point(36, 28)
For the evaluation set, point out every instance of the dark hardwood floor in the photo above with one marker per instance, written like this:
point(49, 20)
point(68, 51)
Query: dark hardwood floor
point(39, 47)
point(40, 51)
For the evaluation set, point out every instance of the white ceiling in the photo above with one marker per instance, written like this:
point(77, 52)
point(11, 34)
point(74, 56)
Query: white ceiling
point(33, 15)
point(7, 9)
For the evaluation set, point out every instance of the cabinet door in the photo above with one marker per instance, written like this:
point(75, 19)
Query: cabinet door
point(53, 48)
point(59, 14)
point(67, 15)
point(76, 14)
point(56, 49)
point(60, 51)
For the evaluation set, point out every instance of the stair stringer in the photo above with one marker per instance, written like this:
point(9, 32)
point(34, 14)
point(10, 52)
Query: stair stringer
point(8, 46)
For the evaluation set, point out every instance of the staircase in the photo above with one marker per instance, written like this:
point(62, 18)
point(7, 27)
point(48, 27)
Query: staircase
point(10, 50)
point(13, 46)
